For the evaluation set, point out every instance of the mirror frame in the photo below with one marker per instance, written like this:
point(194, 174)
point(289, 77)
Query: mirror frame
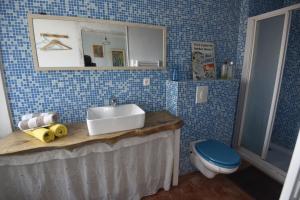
point(31, 17)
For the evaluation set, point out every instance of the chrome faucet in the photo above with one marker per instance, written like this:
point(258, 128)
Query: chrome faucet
point(113, 101)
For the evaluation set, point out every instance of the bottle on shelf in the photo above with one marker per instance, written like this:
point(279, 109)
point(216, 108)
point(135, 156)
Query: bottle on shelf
point(230, 70)
point(174, 75)
point(224, 70)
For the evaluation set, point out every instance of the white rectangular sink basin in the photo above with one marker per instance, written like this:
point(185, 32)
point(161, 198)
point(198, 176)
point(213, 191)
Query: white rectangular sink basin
point(108, 119)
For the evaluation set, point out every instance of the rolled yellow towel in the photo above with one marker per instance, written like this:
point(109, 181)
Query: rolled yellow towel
point(43, 134)
point(59, 130)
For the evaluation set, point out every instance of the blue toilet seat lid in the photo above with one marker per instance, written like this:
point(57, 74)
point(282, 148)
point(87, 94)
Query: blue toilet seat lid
point(218, 153)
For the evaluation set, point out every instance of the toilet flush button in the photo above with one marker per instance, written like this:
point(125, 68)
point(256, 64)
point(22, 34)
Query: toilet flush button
point(201, 94)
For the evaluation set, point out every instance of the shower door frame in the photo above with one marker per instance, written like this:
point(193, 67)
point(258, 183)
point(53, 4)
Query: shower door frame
point(258, 160)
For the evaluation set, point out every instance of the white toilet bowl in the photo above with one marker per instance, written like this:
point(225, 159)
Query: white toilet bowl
point(212, 157)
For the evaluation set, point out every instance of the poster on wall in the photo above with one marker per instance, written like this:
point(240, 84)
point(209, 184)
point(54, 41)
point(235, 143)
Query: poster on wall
point(203, 60)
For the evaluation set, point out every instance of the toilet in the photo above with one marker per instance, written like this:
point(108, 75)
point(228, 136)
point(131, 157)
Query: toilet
point(212, 157)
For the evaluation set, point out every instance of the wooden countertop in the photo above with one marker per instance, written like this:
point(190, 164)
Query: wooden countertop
point(19, 142)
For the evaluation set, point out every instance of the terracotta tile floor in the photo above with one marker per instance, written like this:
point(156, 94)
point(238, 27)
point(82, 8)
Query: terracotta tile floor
point(196, 186)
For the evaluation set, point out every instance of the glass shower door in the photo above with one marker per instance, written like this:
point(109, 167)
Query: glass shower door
point(261, 87)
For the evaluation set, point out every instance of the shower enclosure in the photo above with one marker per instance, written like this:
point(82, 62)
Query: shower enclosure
point(268, 114)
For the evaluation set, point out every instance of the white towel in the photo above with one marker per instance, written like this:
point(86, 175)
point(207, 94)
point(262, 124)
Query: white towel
point(32, 115)
point(39, 121)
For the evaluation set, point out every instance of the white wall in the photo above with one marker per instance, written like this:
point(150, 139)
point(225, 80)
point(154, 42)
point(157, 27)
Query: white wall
point(145, 44)
point(59, 58)
point(5, 123)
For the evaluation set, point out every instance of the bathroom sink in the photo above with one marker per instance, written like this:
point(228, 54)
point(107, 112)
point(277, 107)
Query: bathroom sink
point(108, 119)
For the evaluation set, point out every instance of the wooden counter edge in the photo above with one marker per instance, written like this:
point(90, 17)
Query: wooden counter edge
point(168, 126)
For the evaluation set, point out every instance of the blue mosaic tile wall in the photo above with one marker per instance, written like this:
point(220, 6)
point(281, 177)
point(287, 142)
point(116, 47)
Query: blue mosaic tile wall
point(244, 10)
point(290, 2)
point(71, 92)
point(211, 120)
point(287, 121)
point(172, 97)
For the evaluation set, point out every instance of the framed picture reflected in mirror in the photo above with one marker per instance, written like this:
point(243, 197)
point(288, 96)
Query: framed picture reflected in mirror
point(118, 57)
point(98, 51)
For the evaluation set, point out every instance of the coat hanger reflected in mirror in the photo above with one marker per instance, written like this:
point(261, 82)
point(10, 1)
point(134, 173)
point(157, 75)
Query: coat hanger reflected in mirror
point(54, 44)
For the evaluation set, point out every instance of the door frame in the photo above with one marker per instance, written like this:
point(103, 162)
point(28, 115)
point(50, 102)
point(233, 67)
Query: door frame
point(291, 187)
point(5, 122)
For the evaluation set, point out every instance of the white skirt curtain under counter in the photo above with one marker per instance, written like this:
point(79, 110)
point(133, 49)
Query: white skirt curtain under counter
point(129, 169)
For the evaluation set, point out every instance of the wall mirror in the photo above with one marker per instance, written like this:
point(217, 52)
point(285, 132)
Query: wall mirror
point(74, 43)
